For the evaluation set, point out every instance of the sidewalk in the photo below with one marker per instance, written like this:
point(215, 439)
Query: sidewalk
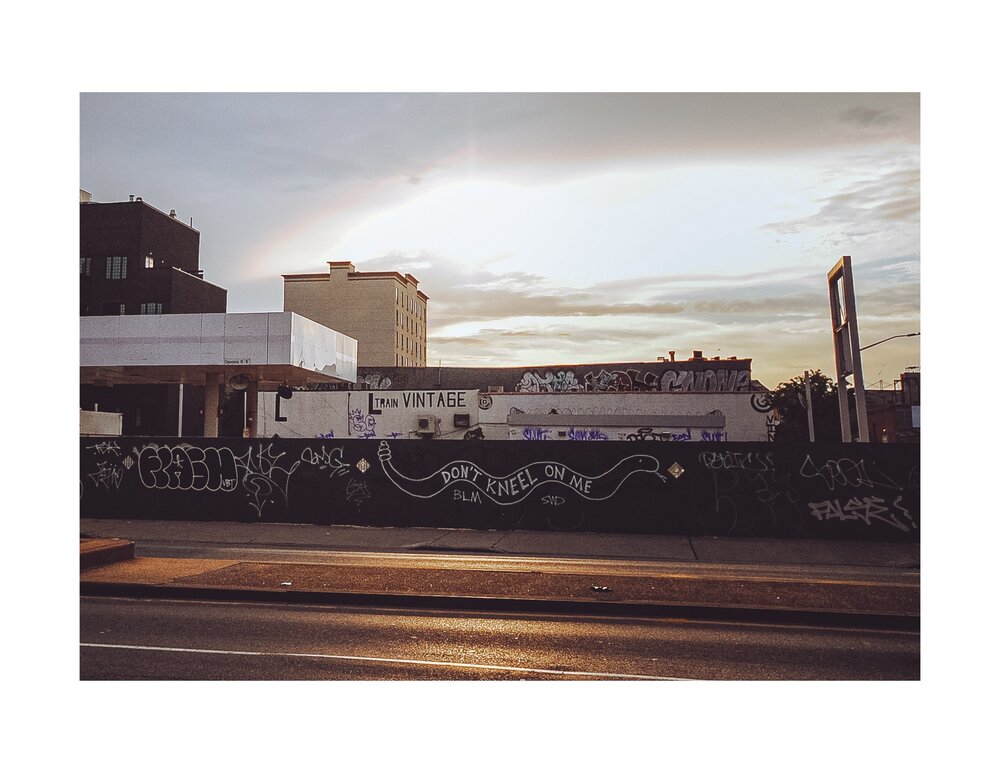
point(605, 573)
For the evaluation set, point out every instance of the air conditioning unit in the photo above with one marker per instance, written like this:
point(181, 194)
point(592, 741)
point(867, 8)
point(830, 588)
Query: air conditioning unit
point(427, 425)
point(461, 420)
point(494, 389)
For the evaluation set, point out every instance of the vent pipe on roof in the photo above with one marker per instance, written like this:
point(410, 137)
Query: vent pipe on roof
point(672, 355)
point(131, 197)
point(173, 214)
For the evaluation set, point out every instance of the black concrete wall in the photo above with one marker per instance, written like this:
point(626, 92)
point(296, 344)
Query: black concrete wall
point(837, 491)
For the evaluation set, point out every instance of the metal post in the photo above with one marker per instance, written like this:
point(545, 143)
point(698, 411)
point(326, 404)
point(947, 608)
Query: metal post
point(180, 410)
point(809, 407)
point(251, 408)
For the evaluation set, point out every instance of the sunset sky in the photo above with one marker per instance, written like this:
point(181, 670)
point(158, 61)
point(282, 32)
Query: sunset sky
point(550, 228)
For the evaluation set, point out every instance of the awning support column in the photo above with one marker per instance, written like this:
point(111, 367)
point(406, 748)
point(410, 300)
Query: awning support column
point(212, 381)
point(251, 419)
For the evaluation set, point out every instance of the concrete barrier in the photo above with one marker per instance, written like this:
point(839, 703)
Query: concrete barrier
point(831, 491)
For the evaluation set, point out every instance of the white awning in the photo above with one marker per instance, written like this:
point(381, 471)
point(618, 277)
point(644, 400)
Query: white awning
point(272, 348)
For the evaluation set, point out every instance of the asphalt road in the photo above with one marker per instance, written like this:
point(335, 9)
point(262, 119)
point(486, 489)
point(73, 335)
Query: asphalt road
point(208, 640)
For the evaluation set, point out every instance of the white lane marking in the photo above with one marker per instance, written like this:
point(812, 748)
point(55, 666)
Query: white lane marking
point(370, 659)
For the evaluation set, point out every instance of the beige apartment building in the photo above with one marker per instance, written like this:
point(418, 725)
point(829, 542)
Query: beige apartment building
point(383, 310)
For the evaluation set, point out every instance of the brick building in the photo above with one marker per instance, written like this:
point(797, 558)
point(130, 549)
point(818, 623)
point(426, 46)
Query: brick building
point(134, 259)
point(383, 310)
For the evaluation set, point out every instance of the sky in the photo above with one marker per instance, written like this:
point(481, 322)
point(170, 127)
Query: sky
point(551, 228)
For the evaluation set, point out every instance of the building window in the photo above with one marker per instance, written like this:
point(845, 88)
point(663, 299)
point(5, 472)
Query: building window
point(151, 308)
point(149, 261)
point(84, 266)
point(115, 267)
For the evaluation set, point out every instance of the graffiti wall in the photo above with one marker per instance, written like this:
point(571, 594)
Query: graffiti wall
point(867, 492)
point(703, 375)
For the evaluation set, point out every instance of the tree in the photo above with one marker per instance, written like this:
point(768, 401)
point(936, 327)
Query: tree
point(789, 400)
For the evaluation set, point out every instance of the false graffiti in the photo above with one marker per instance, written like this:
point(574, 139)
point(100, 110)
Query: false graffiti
point(515, 486)
point(866, 510)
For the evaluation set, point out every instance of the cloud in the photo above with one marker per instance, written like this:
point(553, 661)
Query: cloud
point(783, 324)
point(866, 116)
point(866, 207)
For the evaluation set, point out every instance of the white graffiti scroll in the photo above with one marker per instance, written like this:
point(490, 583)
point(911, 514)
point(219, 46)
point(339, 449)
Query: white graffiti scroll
point(515, 486)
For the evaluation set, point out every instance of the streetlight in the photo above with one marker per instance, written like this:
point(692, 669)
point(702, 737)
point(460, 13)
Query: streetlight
point(901, 335)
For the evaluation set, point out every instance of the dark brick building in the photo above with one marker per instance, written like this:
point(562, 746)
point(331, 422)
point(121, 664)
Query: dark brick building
point(134, 259)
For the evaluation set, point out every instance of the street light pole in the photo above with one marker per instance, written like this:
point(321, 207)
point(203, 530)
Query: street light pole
point(901, 335)
point(809, 407)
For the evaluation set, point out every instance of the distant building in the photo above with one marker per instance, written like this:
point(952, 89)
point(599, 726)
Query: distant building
point(134, 259)
point(666, 374)
point(383, 310)
point(894, 414)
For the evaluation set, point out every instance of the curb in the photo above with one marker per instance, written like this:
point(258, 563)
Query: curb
point(704, 612)
point(99, 552)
